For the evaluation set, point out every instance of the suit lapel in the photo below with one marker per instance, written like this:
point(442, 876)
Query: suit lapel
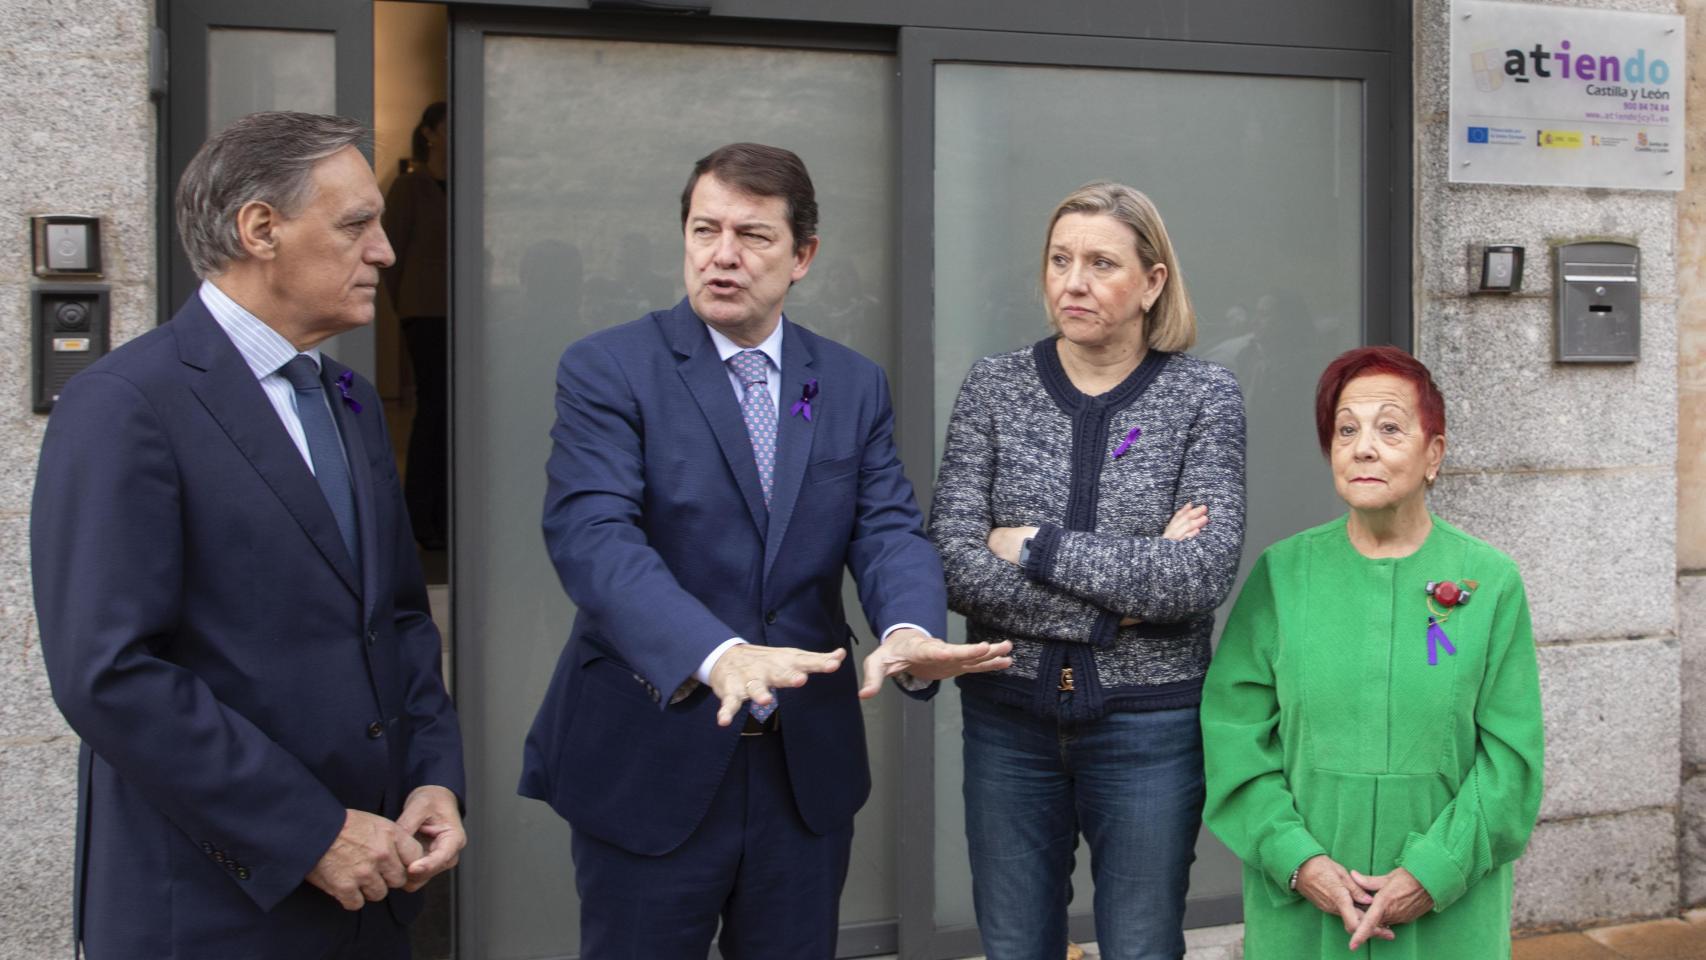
point(361, 478)
point(229, 391)
point(708, 380)
point(794, 436)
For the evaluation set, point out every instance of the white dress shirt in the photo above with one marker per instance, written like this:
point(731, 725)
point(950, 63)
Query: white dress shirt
point(265, 350)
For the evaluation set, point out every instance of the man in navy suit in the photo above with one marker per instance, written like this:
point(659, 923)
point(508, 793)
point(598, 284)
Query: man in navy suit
point(715, 468)
point(232, 613)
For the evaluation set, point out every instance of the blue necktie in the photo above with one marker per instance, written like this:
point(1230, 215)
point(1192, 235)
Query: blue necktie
point(759, 412)
point(324, 447)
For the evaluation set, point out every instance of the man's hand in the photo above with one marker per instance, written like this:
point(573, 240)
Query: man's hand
point(1329, 886)
point(913, 651)
point(1005, 542)
point(365, 861)
point(1398, 898)
point(748, 671)
point(430, 815)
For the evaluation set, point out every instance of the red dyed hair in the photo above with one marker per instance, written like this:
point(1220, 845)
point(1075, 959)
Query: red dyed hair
point(1366, 362)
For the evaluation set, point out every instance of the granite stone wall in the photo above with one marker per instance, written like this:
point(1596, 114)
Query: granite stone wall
point(78, 130)
point(1571, 469)
point(1691, 467)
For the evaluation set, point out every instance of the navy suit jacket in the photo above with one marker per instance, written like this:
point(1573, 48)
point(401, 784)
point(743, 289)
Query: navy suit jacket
point(236, 680)
point(657, 526)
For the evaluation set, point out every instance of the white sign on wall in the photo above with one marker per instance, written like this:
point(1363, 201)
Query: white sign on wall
point(1559, 96)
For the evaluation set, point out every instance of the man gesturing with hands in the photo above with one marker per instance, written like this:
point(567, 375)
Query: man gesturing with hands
point(715, 469)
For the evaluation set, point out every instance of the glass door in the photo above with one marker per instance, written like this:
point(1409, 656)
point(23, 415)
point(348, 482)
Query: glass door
point(573, 150)
point(229, 58)
point(1275, 167)
point(1259, 160)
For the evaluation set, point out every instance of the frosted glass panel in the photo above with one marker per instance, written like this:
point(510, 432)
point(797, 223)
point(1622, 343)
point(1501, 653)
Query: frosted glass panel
point(252, 70)
point(586, 147)
point(1259, 181)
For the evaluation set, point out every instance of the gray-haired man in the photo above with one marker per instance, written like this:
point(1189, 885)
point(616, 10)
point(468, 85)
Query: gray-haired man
point(232, 615)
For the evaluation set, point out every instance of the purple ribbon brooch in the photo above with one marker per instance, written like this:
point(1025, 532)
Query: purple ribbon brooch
point(1130, 438)
point(803, 406)
point(1444, 596)
point(344, 380)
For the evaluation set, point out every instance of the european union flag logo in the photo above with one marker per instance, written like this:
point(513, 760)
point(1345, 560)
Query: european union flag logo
point(1477, 134)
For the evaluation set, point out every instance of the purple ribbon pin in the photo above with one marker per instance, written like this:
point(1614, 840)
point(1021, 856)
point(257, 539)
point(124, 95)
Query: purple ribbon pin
point(1437, 639)
point(1125, 444)
point(803, 406)
point(344, 380)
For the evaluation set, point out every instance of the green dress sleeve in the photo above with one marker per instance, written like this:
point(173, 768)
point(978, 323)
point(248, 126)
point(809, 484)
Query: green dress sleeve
point(1490, 819)
point(1488, 822)
point(1249, 804)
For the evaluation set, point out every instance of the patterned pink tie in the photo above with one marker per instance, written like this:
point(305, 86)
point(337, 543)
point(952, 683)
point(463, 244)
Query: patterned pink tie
point(753, 369)
point(759, 411)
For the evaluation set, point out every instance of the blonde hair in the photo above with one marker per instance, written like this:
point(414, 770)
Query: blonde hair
point(1170, 324)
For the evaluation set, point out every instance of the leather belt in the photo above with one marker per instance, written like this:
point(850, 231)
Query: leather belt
point(758, 728)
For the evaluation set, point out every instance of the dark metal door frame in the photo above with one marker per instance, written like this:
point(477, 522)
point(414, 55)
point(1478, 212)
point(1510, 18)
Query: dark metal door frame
point(1376, 53)
point(183, 116)
point(469, 27)
point(920, 50)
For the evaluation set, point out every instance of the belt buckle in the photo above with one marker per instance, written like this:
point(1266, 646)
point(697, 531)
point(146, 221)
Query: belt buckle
point(758, 728)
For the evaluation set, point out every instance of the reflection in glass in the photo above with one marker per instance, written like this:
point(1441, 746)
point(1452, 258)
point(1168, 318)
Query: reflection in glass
point(587, 145)
point(1259, 181)
point(253, 70)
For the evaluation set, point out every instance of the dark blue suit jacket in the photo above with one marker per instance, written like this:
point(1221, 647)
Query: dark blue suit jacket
point(657, 526)
point(236, 680)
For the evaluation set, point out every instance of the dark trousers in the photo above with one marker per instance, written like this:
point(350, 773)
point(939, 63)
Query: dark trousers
point(1131, 783)
point(752, 865)
point(426, 484)
point(378, 936)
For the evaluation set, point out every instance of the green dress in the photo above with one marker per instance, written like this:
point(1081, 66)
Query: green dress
point(1326, 730)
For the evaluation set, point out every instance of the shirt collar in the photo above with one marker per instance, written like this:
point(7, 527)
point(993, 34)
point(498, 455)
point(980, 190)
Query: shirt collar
point(771, 347)
point(262, 348)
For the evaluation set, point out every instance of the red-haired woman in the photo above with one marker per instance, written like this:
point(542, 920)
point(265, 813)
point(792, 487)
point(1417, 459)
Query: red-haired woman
point(1371, 720)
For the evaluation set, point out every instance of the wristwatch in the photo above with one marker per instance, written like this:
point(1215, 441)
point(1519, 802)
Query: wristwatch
point(1025, 551)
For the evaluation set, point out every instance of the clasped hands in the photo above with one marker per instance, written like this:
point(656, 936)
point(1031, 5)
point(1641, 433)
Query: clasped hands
point(750, 671)
point(1369, 906)
point(373, 856)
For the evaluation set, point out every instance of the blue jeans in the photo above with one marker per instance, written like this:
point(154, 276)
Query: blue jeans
point(1131, 782)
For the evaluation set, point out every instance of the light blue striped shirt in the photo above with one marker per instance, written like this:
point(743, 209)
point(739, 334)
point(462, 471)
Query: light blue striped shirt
point(265, 350)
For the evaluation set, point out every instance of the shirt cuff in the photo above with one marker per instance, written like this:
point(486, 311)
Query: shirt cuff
point(907, 681)
point(1282, 853)
point(1434, 869)
point(703, 675)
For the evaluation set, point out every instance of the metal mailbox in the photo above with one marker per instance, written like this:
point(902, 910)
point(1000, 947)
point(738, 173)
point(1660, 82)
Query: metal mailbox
point(1598, 302)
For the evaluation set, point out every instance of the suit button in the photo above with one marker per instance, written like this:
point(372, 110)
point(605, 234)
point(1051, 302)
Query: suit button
point(242, 873)
point(375, 730)
point(372, 637)
point(770, 617)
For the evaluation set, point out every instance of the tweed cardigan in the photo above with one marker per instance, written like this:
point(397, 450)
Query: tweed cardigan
point(1027, 448)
